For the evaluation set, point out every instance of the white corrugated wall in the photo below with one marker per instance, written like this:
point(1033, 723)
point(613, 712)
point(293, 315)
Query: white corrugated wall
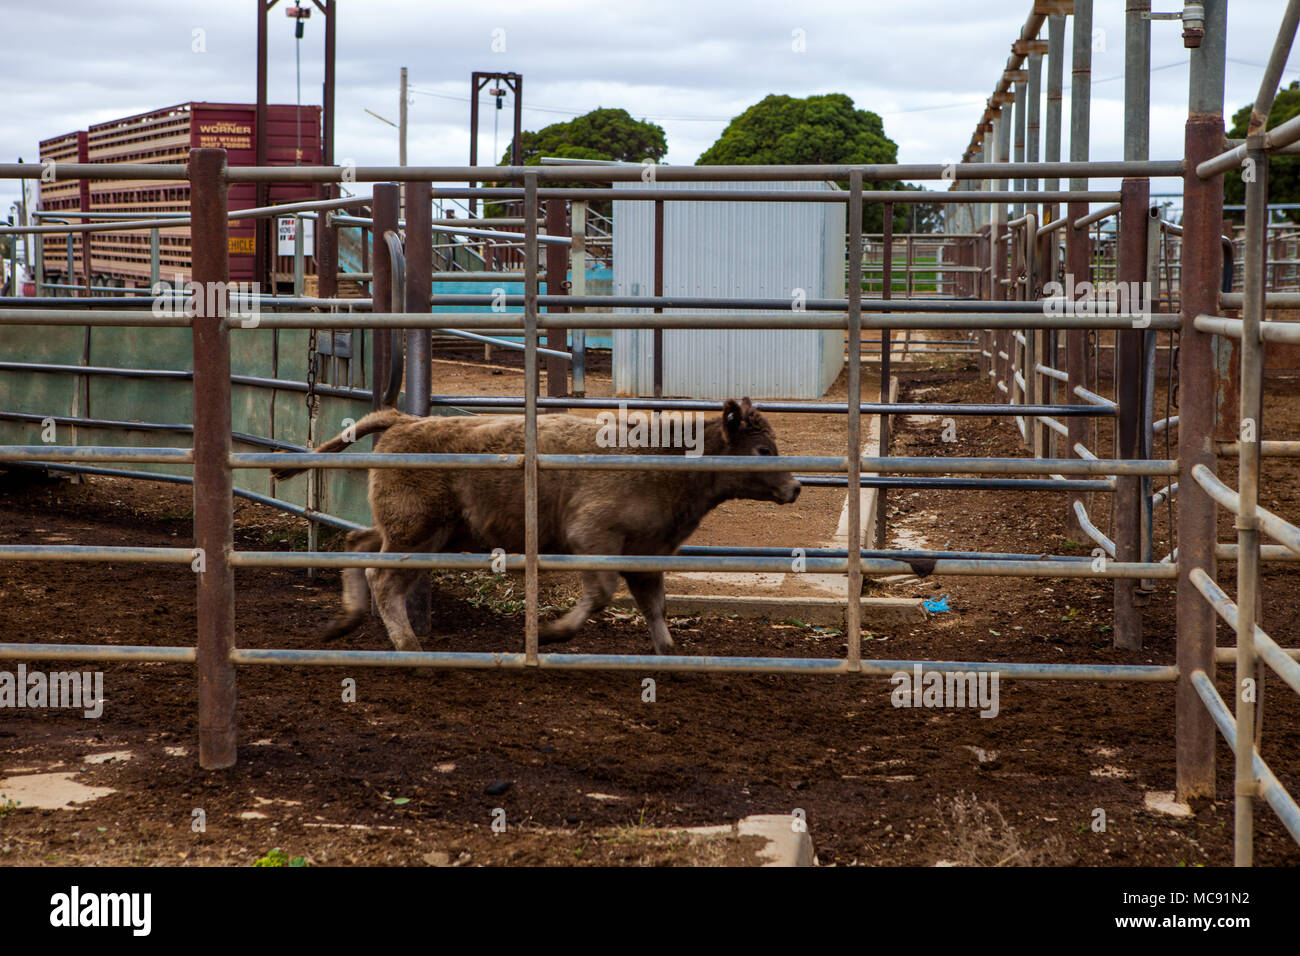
point(756, 249)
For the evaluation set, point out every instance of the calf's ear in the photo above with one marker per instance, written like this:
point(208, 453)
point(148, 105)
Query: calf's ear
point(732, 418)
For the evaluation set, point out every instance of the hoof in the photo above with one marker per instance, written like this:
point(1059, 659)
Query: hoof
point(343, 626)
point(552, 636)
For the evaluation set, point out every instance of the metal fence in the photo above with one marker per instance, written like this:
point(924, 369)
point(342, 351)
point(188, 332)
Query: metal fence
point(1188, 267)
point(1018, 329)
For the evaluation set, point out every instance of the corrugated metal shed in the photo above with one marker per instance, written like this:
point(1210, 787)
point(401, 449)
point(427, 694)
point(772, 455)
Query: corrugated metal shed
point(754, 249)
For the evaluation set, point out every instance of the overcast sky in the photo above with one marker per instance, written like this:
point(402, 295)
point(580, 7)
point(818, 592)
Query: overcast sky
point(926, 66)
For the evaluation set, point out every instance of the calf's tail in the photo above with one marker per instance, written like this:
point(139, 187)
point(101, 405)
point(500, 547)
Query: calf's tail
point(374, 422)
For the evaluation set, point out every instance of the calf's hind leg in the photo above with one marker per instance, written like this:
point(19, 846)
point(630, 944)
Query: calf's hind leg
point(597, 590)
point(356, 596)
point(647, 589)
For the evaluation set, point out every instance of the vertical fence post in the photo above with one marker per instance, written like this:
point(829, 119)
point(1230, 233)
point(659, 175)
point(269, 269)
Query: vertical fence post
point(530, 418)
point(886, 347)
point(155, 260)
point(1252, 404)
point(853, 611)
point(387, 199)
point(1201, 275)
point(657, 336)
point(1126, 502)
point(557, 264)
point(299, 263)
point(213, 485)
point(578, 256)
point(1050, 254)
point(419, 367)
point(1078, 268)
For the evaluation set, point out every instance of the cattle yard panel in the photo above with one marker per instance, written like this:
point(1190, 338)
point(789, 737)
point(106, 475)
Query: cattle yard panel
point(214, 460)
point(1017, 327)
point(1221, 360)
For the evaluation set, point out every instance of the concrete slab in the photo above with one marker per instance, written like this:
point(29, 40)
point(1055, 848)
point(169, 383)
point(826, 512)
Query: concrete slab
point(788, 840)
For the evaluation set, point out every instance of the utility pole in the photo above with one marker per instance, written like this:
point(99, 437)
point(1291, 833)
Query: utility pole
point(401, 120)
point(402, 135)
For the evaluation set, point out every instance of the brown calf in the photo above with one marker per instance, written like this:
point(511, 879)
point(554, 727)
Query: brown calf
point(579, 512)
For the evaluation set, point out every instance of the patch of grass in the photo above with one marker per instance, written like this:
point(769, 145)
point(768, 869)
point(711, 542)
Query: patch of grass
point(8, 806)
point(277, 857)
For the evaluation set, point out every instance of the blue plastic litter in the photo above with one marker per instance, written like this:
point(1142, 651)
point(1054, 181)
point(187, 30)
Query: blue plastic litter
point(937, 605)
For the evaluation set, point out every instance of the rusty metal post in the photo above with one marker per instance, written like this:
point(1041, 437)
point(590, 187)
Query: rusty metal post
point(214, 529)
point(83, 203)
point(557, 267)
point(264, 230)
point(327, 237)
point(886, 347)
point(387, 199)
point(658, 334)
point(1126, 502)
point(530, 418)
point(327, 253)
point(419, 347)
point(1201, 268)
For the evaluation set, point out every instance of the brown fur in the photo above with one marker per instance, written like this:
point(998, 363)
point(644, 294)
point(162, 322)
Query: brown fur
point(579, 512)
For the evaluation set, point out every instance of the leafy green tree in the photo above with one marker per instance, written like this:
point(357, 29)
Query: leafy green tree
point(782, 130)
point(603, 133)
point(1283, 171)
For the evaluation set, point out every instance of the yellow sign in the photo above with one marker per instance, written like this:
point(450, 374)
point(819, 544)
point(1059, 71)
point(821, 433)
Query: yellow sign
point(241, 245)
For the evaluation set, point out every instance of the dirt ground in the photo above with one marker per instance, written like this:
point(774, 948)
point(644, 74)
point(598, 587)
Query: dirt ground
point(416, 770)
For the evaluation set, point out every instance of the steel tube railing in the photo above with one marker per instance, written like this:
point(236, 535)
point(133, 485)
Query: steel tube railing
point(1269, 786)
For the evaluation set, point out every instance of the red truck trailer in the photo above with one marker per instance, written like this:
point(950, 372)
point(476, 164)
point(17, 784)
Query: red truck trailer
point(166, 136)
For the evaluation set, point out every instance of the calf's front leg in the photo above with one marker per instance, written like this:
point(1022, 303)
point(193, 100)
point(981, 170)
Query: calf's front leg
point(647, 589)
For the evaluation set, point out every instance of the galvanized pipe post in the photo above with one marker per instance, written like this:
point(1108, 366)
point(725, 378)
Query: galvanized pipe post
point(214, 530)
point(1126, 502)
point(1201, 272)
point(886, 347)
point(1020, 122)
point(657, 336)
point(853, 609)
point(557, 265)
point(530, 419)
point(387, 201)
point(578, 258)
point(998, 257)
point(155, 260)
point(419, 357)
point(1078, 262)
point(1252, 406)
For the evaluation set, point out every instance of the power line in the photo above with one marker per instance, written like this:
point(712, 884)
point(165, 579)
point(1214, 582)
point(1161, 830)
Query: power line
point(572, 112)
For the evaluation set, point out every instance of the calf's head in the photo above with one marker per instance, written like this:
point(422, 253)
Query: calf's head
point(745, 431)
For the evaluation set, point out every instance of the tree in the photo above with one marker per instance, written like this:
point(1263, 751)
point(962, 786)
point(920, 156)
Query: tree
point(602, 134)
point(782, 130)
point(1283, 171)
point(610, 134)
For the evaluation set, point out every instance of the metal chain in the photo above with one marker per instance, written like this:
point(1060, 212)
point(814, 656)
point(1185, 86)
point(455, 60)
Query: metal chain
point(313, 402)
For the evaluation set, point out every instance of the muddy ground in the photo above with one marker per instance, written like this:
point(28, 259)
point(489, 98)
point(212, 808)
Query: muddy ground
point(584, 769)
